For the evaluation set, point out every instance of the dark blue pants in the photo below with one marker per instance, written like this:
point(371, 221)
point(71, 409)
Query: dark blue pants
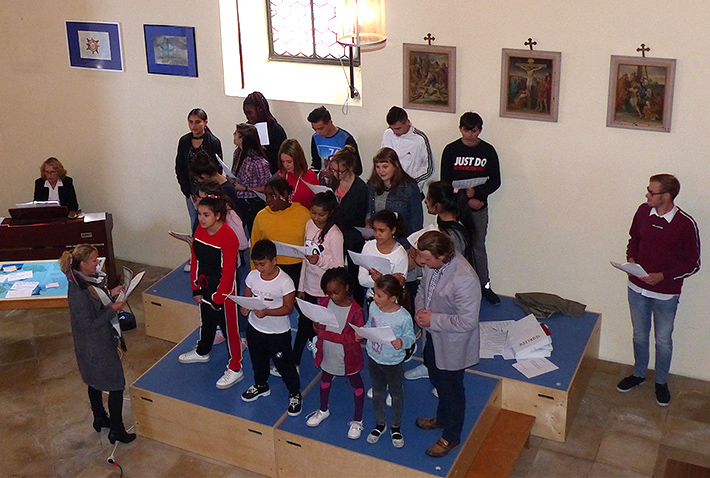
point(452, 397)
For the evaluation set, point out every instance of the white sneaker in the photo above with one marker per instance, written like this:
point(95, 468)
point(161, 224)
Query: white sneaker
point(355, 430)
point(218, 337)
point(417, 372)
point(316, 417)
point(388, 400)
point(193, 357)
point(229, 378)
point(187, 267)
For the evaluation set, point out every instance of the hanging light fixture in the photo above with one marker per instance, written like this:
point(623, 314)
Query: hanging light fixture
point(362, 25)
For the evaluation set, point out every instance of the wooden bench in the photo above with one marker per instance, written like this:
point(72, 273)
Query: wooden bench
point(502, 446)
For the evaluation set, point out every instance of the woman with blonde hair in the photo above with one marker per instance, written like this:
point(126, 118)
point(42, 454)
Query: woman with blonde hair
point(54, 185)
point(94, 322)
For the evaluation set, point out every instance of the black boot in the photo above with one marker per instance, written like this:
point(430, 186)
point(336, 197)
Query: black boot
point(120, 434)
point(101, 421)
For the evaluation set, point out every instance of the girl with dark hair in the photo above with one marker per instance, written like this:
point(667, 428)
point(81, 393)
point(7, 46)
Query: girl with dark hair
point(452, 216)
point(390, 187)
point(251, 171)
point(200, 138)
point(256, 110)
point(325, 243)
point(386, 226)
point(213, 276)
point(282, 221)
point(293, 167)
point(338, 352)
point(93, 315)
point(386, 361)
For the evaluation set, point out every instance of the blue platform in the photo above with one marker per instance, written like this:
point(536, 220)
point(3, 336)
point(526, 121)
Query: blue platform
point(44, 272)
point(174, 286)
point(569, 339)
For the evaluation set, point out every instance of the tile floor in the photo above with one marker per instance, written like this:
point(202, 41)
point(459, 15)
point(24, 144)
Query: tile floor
point(45, 420)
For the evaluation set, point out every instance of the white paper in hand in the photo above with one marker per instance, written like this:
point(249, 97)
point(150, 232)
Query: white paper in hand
point(320, 314)
point(289, 250)
point(380, 264)
point(381, 335)
point(263, 130)
point(414, 237)
point(366, 232)
point(226, 169)
point(631, 268)
point(123, 295)
point(181, 236)
point(468, 183)
point(251, 303)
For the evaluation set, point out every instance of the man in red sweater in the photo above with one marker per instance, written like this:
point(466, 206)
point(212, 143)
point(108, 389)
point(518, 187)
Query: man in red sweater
point(666, 243)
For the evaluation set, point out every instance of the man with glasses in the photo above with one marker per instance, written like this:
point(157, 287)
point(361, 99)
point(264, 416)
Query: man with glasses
point(666, 243)
point(328, 139)
point(471, 158)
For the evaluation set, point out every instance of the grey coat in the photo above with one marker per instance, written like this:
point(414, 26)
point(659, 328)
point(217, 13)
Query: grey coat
point(94, 340)
point(454, 322)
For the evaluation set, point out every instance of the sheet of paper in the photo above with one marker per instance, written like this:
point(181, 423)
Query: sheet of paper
point(9, 268)
point(2, 218)
point(94, 216)
point(534, 367)
point(289, 250)
point(381, 335)
point(226, 169)
point(630, 268)
point(320, 314)
point(251, 303)
point(366, 232)
point(317, 188)
point(52, 285)
point(261, 196)
point(19, 276)
point(263, 130)
point(380, 264)
point(414, 237)
point(125, 293)
point(24, 286)
point(18, 294)
point(468, 183)
point(494, 336)
point(181, 236)
point(24, 205)
point(3, 279)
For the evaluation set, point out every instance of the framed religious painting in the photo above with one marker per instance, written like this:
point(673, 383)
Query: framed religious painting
point(170, 50)
point(94, 45)
point(429, 77)
point(640, 93)
point(530, 84)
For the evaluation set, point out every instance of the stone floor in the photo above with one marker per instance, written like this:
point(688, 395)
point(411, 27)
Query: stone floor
point(45, 420)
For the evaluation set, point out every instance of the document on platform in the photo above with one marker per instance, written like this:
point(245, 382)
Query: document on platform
point(94, 216)
point(631, 268)
point(534, 367)
point(381, 335)
point(19, 276)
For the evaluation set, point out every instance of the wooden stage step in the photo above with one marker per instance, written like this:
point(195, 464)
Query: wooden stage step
point(502, 446)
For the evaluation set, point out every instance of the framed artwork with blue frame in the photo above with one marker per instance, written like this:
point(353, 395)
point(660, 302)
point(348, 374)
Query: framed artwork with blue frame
point(94, 45)
point(170, 50)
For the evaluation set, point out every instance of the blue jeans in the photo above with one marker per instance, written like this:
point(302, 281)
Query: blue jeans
point(663, 312)
point(193, 214)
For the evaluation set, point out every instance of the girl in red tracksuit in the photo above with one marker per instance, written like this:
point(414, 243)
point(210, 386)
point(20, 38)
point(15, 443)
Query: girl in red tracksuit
point(215, 248)
point(338, 352)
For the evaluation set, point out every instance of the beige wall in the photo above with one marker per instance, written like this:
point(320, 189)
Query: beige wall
point(569, 188)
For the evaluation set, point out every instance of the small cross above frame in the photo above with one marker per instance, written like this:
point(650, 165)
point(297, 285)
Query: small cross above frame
point(429, 38)
point(530, 43)
point(643, 49)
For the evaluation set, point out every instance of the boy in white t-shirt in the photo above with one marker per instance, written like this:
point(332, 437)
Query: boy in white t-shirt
point(269, 329)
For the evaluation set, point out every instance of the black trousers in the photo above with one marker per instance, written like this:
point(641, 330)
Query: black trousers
point(115, 406)
point(452, 397)
point(210, 319)
point(277, 347)
point(304, 333)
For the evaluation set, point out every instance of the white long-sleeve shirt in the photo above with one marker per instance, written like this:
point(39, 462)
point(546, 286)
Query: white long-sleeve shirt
point(413, 151)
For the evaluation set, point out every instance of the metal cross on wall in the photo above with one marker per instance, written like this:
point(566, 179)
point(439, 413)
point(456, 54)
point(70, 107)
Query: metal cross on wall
point(429, 38)
point(643, 49)
point(530, 43)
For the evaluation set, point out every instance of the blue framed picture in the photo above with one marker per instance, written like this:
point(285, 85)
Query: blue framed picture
point(170, 50)
point(94, 45)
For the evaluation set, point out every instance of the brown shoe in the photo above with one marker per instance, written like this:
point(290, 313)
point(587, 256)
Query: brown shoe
point(427, 423)
point(441, 448)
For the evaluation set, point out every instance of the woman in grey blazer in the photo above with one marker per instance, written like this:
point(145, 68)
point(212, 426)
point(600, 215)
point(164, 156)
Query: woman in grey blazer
point(447, 306)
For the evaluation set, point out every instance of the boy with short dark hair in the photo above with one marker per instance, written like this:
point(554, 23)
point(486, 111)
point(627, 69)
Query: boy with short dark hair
point(269, 329)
